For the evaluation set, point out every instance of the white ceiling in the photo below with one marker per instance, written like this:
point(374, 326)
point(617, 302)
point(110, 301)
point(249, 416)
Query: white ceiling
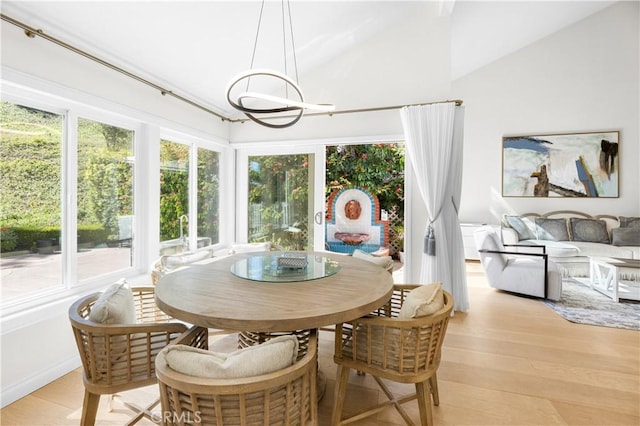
point(195, 47)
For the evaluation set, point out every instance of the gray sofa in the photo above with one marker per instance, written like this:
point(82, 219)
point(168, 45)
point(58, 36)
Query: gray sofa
point(571, 237)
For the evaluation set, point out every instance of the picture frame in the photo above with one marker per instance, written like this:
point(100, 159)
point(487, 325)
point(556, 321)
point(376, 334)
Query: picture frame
point(572, 165)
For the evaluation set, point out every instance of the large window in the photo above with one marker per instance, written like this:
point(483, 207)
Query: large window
point(279, 208)
point(105, 176)
point(78, 183)
point(67, 200)
point(174, 197)
point(208, 195)
point(30, 200)
point(187, 194)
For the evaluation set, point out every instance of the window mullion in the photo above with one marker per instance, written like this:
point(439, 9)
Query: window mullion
point(193, 197)
point(70, 200)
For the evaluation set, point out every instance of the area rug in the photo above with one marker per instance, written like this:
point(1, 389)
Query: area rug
point(581, 304)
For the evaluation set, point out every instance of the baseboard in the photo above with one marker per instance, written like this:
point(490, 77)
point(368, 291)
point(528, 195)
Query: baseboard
point(37, 380)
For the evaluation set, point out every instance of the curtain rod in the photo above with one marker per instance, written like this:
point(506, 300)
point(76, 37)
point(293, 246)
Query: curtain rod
point(458, 102)
point(33, 32)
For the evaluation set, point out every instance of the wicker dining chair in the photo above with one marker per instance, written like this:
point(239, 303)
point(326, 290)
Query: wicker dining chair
point(283, 397)
point(400, 350)
point(120, 357)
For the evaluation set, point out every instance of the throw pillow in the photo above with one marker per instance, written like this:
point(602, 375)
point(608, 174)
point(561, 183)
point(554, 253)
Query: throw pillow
point(115, 305)
point(626, 237)
point(273, 355)
point(589, 230)
point(521, 228)
point(421, 301)
point(629, 222)
point(385, 261)
point(551, 229)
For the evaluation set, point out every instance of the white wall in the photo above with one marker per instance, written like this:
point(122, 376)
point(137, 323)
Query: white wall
point(41, 58)
point(581, 79)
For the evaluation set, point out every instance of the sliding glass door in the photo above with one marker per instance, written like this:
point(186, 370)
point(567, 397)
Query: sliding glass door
point(280, 197)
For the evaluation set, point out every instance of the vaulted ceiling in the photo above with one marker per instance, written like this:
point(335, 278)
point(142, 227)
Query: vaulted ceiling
point(196, 47)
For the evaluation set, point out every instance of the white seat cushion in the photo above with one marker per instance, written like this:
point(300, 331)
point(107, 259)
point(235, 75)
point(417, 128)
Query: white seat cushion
point(249, 247)
point(177, 260)
point(602, 250)
point(385, 261)
point(273, 355)
point(556, 248)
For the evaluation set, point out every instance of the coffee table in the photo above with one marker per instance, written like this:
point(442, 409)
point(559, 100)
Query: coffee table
point(609, 275)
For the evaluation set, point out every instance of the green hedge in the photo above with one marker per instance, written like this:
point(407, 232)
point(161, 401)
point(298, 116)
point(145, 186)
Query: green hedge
point(26, 237)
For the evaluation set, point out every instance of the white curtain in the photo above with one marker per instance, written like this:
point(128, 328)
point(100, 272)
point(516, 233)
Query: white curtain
point(433, 143)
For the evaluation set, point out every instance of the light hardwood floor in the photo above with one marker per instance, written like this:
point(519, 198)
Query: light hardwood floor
point(509, 361)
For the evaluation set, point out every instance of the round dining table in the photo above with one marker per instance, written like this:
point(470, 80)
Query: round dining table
point(223, 294)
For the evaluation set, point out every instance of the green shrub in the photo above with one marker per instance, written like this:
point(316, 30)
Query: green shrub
point(8, 239)
point(92, 233)
point(26, 237)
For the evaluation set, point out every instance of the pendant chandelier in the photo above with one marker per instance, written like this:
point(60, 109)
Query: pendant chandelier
point(263, 108)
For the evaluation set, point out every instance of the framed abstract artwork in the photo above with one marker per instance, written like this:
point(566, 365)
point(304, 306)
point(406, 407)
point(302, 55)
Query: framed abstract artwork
point(561, 165)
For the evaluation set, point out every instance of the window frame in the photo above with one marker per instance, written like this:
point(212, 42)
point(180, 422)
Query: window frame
point(33, 92)
point(226, 181)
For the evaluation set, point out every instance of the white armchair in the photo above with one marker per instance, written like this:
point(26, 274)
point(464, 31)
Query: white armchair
point(532, 274)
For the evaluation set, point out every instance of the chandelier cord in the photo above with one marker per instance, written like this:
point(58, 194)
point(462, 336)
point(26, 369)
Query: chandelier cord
point(251, 103)
point(284, 47)
point(293, 44)
point(255, 43)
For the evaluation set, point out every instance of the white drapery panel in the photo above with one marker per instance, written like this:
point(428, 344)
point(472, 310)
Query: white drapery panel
point(433, 143)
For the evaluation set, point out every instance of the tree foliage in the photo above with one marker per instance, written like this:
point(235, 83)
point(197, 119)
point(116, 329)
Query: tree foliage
point(379, 168)
point(278, 188)
point(174, 188)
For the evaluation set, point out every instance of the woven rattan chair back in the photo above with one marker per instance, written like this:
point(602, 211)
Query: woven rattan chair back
point(400, 350)
point(119, 357)
point(284, 397)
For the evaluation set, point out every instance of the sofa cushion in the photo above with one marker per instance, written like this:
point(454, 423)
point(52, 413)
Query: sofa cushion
point(629, 222)
point(521, 228)
point(626, 237)
point(551, 229)
point(602, 250)
point(555, 248)
point(267, 357)
point(589, 230)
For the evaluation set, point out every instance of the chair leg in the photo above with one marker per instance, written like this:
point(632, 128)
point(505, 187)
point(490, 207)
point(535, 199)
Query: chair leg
point(89, 408)
point(342, 378)
point(424, 403)
point(433, 381)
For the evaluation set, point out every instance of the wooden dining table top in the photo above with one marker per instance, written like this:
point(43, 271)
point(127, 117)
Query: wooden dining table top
point(210, 295)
